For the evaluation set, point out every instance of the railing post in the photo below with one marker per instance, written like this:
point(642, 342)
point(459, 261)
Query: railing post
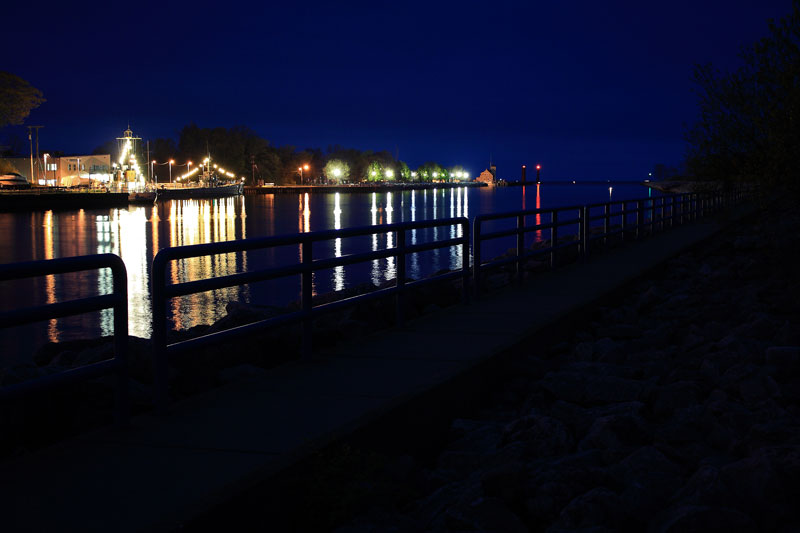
point(476, 256)
point(400, 301)
point(307, 297)
point(607, 213)
point(673, 214)
point(465, 271)
point(623, 224)
point(553, 239)
point(685, 209)
point(584, 231)
point(698, 207)
point(653, 223)
point(159, 338)
point(122, 411)
point(520, 246)
point(638, 219)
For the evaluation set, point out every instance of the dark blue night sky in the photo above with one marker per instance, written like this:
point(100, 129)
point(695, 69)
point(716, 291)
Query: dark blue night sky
point(591, 90)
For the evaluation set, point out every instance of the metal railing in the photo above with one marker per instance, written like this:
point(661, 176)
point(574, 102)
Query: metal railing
point(638, 218)
point(117, 300)
point(305, 267)
point(641, 217)
point(625, 219)
point(556, 220)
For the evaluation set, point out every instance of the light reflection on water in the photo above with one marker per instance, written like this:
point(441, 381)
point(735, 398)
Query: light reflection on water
point(138, 232)
point(196, 222)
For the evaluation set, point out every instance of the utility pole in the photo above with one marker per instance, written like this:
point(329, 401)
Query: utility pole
point(148, 162)
point(30, 139)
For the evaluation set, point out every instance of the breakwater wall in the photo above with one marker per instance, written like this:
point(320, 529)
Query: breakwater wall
point(376, 187)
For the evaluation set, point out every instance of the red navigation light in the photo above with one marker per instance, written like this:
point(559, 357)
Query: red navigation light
point(538, 167)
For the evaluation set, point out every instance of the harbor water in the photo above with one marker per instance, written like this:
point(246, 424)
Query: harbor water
point(138, 232)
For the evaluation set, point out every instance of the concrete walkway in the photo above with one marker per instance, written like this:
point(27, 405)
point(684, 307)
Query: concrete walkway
point(163, 470)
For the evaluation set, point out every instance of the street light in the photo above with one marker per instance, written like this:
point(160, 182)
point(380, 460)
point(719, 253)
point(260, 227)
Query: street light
point(45, 167)
point(304, 167)
point(171, 162)
point(152, 172)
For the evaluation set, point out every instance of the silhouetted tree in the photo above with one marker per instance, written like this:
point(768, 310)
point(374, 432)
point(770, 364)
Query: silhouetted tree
point(748, 127)
point(17, 99)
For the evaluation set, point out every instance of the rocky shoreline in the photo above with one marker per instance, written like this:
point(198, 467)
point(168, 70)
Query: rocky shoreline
point(671, 406)
point(674, 409)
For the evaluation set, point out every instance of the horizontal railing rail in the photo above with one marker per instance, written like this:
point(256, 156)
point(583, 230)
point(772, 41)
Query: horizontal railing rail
point(556, 221)
point(624, 218)
point(117, 300)
point(307, 265)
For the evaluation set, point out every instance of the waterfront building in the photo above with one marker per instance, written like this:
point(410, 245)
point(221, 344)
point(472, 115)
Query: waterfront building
point(486, 177)
point(64, 171)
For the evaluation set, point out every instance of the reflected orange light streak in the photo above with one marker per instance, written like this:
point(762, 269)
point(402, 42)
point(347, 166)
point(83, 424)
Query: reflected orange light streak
point(50, 281)
point(538, 216)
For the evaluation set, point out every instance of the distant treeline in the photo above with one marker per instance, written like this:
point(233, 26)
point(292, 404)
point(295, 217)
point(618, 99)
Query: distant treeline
point(241, 151)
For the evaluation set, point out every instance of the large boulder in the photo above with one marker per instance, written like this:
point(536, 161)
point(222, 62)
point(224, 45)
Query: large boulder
point(589, 390)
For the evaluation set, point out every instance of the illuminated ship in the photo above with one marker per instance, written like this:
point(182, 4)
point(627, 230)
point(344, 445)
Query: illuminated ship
point(212, 182)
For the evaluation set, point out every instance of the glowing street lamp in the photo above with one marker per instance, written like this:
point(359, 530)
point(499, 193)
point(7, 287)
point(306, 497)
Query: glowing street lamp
point(171, 162)
point(301, 169)
point(538, 169)
point(337, 172)
point(389, 173)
